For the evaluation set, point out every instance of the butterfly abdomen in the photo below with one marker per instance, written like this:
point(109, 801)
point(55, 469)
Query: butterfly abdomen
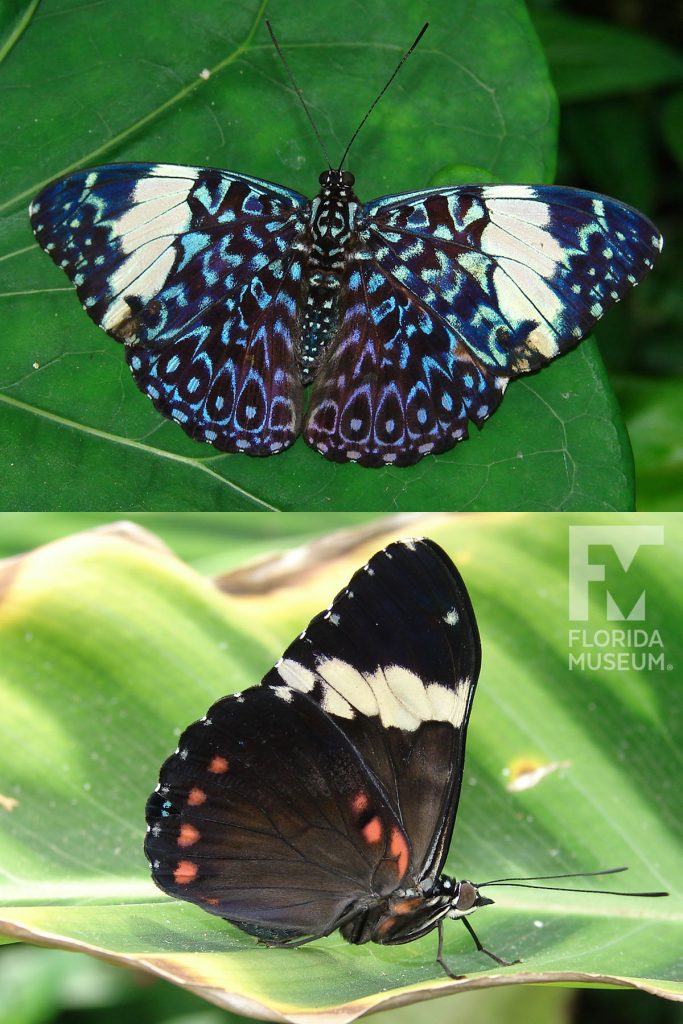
point(401, 917)
point(320, 319)
point(332, 217)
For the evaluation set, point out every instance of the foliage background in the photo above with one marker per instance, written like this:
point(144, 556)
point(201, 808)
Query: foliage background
point(118, 82)
point(617, 69)
point(50, 986)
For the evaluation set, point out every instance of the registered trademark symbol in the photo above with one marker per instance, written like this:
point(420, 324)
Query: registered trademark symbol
point(669, 668)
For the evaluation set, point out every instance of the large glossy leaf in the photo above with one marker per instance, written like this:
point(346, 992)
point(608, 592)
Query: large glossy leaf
point(590, 58)
point(654, 408)
point(111, 646)
point(672, 125)
point(39, 984)
point(209, 541)
point(84, 84)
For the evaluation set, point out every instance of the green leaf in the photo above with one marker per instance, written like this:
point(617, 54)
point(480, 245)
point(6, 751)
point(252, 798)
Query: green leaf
point(15, 15)
point(611, 144)
point(654, 412)
point(111, 646)
point(37, 984)
point(199, 538)
point(591, 59)
point(672, 124)
point(88, 84)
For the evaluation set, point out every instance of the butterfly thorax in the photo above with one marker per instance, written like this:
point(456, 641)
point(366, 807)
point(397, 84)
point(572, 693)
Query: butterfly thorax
point(332, 216)
point(408, 914)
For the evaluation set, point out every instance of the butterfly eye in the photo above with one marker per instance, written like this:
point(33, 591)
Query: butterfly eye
point(467, 896)
point(324, 178)
point(347, 178)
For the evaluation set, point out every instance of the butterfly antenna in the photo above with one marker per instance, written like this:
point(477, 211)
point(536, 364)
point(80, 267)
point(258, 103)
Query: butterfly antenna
point(398, 67)
point(299, 93)
point(523, 883)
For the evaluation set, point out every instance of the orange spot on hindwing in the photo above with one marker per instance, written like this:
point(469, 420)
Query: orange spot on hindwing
point(360, 802)
point(218, 765)
point(185, 872)
point(196, 797)
point(386, 925)
point(188, 835)
point(399, 851)
point(373, 831)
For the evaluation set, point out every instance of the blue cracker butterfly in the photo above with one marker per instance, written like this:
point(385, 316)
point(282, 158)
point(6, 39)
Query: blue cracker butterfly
point(408, 315)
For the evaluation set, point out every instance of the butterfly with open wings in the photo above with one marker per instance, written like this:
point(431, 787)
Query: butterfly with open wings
point(409, 315)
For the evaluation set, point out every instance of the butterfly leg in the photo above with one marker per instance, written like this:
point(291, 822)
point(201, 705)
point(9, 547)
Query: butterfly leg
point(439, 956)
point(287, 943)
point(293, 941)
point(482, 949)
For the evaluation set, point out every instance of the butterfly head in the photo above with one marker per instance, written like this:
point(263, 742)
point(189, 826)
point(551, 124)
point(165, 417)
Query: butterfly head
point(465, 897)
point(408, 914)
point(338, 183)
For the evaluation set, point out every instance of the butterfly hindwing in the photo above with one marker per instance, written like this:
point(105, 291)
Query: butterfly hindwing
point(257, 819)
point(196, 272)
point(397, 383)
point(337, 779)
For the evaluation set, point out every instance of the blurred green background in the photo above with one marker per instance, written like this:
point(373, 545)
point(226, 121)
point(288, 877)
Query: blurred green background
point(618, 71)
point(40, 986)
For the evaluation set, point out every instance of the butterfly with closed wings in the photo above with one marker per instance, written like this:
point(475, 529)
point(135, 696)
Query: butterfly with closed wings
point(325, 797)
point(409, 314)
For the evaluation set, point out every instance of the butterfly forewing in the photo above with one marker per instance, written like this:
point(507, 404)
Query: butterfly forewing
point(519, 273)
point(336, 781)
point(199, 273)
point(397, 659)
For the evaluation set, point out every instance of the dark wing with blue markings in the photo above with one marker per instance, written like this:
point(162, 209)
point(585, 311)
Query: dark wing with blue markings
point(453, 292)
point(195, 271)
